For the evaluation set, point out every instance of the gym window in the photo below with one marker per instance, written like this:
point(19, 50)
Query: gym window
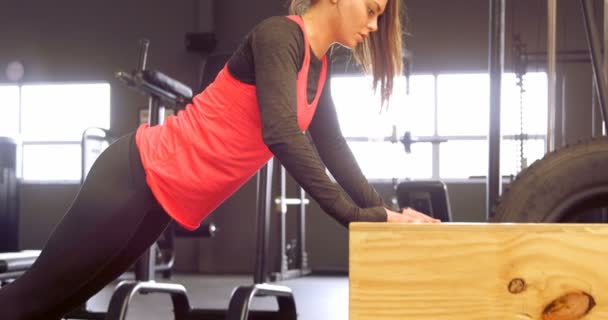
point(48, 120)
point(450, 107)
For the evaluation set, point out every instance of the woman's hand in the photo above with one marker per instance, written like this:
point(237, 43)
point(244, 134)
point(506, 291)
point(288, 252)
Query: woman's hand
point(409, 215)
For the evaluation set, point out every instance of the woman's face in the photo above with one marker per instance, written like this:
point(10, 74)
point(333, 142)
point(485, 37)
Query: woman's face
point(357, 19)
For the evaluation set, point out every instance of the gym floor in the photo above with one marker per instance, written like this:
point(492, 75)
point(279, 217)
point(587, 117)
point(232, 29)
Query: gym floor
point(317, 297)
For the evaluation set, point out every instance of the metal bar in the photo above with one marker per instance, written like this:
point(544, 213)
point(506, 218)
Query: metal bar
point(551, 74)
point(264, 187)
point(472, 137)
point(594, 110)
point(581, 56)
point(144, 44)
point(435, 174)
point(496, 67)
point(563, 111)
point(153, 106)
point(572, 52)
point(83, 141)
point(594, 49)
point(284, 264)
point(303, 261)
point(290, 201)
point(430, 139)
point(43, 143)
point(283, 192)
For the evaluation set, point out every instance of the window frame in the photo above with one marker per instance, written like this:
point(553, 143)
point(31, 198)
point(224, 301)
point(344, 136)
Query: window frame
point(436, 147)
point(23, 142)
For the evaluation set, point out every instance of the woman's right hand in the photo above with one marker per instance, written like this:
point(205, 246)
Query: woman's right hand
point(409, 215)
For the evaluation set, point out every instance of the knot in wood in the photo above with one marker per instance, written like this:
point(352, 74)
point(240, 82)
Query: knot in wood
point(517, 285)
point(571, 306)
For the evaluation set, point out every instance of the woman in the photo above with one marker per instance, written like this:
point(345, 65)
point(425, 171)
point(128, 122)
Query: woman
point(272, 90)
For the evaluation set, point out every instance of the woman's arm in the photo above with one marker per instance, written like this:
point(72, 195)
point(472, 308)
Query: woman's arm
point(337, 156)
point(277, 57)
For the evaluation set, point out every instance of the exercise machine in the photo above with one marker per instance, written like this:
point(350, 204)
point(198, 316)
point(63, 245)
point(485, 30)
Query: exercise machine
point(13, 262)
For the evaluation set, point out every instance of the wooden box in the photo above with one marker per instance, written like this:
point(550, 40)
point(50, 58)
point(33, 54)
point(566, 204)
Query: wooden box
point(478, 271)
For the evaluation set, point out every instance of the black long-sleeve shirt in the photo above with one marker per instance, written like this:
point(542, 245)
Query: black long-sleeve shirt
point(270, 57)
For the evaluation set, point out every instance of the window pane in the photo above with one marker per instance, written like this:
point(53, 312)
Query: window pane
point(463, 101)
point(534, 101)
point(382, 160)
point(358, 108)
point(9, 111)
point(51, 162)
point(62, 111)
point(463, 159)
point(418, 114)
point(359, 111)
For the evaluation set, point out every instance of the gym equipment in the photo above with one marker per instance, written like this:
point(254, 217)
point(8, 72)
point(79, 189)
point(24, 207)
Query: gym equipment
point(169, 91)
point(161, 90)
point(293, 252)
point(569, 184)
point(406, 140)
point(429, 197)
point(9, 196)
point(561, 187)
point(238, 308)
point(496, 66)
point(13, 263)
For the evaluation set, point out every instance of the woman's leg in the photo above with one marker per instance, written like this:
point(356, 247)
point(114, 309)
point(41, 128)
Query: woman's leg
point(100, 224)
point(149, 231)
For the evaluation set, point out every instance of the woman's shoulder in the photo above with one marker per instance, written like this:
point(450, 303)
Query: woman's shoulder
point(279, 29)
point(278, 22)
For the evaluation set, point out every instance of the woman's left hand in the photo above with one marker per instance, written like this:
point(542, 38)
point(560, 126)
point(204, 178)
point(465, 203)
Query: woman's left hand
point(409, 215)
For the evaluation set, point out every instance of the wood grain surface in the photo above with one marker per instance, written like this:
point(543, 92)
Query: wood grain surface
point(478, 271)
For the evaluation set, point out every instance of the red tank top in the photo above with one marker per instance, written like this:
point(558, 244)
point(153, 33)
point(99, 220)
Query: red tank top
point(197, 159)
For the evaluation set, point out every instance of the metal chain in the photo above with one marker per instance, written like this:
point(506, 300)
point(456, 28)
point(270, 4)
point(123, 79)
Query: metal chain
point(522, 158)
point(521, 63)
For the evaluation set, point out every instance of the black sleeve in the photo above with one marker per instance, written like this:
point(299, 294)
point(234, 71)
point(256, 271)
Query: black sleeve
point(276, 58)
point(337, 156)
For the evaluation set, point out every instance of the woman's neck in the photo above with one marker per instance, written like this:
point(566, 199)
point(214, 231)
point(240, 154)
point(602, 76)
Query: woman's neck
point(318, 29)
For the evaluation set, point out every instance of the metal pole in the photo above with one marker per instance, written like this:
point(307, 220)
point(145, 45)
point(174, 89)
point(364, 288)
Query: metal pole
point(551, 74)
point(303, 263)
point(264, 187)
point(284, 264)
point(595, 118)
point(144, 44)
point(153, 113)
point(595, 51)
point(496, 67)
point(563, 111)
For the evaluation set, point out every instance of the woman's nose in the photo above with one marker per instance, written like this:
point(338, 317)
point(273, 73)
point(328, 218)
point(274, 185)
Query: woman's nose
point(372, 25)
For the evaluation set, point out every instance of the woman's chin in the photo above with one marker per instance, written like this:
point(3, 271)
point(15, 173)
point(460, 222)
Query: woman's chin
point(350, 45)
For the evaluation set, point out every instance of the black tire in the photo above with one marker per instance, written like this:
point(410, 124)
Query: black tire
point(561, 187)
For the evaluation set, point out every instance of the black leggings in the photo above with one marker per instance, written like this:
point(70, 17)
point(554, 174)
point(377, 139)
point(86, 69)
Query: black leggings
point(112, 221)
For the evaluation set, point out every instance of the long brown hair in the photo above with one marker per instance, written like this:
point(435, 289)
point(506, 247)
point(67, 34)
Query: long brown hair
point(381, 53)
